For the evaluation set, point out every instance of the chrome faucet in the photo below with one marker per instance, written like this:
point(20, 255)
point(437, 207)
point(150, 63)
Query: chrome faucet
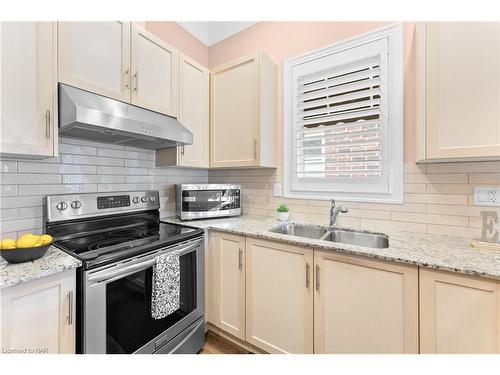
point(334, 212)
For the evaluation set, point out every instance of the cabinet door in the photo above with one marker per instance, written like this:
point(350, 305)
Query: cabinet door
point(364, 306)
point(227, 284)
point(463, 89)
point(235, 113)
point(279, 300)
point(155, 73)
point(458, 314)
point(95, 56)
point(28, 84)
point(39, 316)
point(193, 111)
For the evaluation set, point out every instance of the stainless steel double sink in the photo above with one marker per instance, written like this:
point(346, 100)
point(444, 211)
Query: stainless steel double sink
point(346, 236)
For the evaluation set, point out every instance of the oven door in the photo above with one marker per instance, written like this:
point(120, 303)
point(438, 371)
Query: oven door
point(117, 303)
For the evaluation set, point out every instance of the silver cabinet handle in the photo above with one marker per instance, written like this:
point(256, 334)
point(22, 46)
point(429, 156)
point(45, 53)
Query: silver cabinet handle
point(317, 277)
point(254, 148)
point(308, 268)
point(70, 307)
point(182, 149)
point(126, 79)
point(136, 80)
point(47, 124)
point(240, 259)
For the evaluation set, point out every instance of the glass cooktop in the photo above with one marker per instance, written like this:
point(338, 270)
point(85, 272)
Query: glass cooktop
point(123, 237)
point(105, 247)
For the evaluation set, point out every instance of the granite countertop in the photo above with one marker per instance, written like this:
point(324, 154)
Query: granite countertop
point(427, 250)
point(52, 262)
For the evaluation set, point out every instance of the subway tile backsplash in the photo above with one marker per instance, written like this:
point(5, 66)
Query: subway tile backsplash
point(82, 167)
point(438, 199)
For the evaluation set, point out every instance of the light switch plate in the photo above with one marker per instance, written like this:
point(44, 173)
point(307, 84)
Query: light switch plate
point(487, 196)
point(277, 189)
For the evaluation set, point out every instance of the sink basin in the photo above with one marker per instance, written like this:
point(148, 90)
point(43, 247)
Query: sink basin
point(358, 238)
point(308, 231)
point(319, 232)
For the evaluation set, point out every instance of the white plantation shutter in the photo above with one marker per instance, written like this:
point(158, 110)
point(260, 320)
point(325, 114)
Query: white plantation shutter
point(338, 133)
point(343, 121)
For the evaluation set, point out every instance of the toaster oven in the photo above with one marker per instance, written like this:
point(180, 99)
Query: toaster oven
point(202, 201)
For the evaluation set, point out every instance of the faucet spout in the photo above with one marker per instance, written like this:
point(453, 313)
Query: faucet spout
point(334, 212)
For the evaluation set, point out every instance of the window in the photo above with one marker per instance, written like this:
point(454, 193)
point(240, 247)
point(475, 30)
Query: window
point(343, 120)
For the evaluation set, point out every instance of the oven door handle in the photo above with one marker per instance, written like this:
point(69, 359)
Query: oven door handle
point(122, 271)
point(117, 273)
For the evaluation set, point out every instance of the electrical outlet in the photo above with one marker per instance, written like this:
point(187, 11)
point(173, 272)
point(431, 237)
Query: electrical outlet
point(487, 196)
point(277, 189)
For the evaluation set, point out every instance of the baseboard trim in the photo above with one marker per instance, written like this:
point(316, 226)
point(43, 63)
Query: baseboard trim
point(209, 327)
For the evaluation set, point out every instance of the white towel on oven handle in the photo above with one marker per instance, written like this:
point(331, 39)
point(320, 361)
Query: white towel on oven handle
point(165, 298)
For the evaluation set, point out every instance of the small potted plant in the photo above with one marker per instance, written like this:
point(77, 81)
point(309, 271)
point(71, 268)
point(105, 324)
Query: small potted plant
point(283, 212)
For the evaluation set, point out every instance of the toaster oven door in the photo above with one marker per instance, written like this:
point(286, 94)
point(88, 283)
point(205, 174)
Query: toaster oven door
point(205, 200)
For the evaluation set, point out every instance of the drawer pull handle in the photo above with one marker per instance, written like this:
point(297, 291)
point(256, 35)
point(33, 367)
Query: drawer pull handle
point(308, 268)
point(47, 124)
point(136, 80)
point(126, 79)
point(317, 277)
point(70, 307)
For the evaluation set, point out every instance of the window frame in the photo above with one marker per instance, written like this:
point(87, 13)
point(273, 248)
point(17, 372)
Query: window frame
point(394, 164)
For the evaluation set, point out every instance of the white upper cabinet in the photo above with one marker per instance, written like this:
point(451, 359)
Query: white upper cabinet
point(193, 114)
point(155, 73)
point(458, 91)
point(243, 107)
point(194, 111)
point(95, 56)
point(28, 84)
point(122, 61)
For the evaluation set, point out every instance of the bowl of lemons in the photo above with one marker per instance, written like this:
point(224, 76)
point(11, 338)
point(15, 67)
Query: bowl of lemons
point(28, 247)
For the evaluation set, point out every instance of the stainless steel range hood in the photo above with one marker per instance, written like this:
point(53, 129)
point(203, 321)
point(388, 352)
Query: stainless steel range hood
point(90, 116)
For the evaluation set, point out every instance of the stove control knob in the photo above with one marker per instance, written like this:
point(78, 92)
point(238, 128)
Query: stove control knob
point(135, 199)
point(61, 206)
point(144, 199)
point(76, 205)
point(152, 198)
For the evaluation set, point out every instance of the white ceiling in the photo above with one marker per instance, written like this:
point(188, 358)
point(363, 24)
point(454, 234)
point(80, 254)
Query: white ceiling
point(211, 32)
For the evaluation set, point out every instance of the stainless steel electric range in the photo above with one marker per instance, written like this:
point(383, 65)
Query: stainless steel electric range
point(118, 236)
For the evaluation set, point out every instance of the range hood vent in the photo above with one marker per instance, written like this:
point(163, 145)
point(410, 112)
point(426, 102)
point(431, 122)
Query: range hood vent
point(94, 117)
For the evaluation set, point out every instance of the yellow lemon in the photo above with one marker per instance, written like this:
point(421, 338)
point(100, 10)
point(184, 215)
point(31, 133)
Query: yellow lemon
point(45, 239)
point(26, 242)
point(8, 244)
point(25, 236)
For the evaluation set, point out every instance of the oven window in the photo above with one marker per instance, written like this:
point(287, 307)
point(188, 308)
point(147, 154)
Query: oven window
point(205, 200)
point(129, 325)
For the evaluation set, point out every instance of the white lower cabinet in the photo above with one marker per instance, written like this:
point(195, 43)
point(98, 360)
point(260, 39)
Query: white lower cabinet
point(279, 297)
point(283, 298)
point(39, 316)
point(459, 314)
point(364, 306)
point(226, 283)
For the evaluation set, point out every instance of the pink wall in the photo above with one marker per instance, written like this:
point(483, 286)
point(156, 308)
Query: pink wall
point(283, 40)
point(179, 38)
